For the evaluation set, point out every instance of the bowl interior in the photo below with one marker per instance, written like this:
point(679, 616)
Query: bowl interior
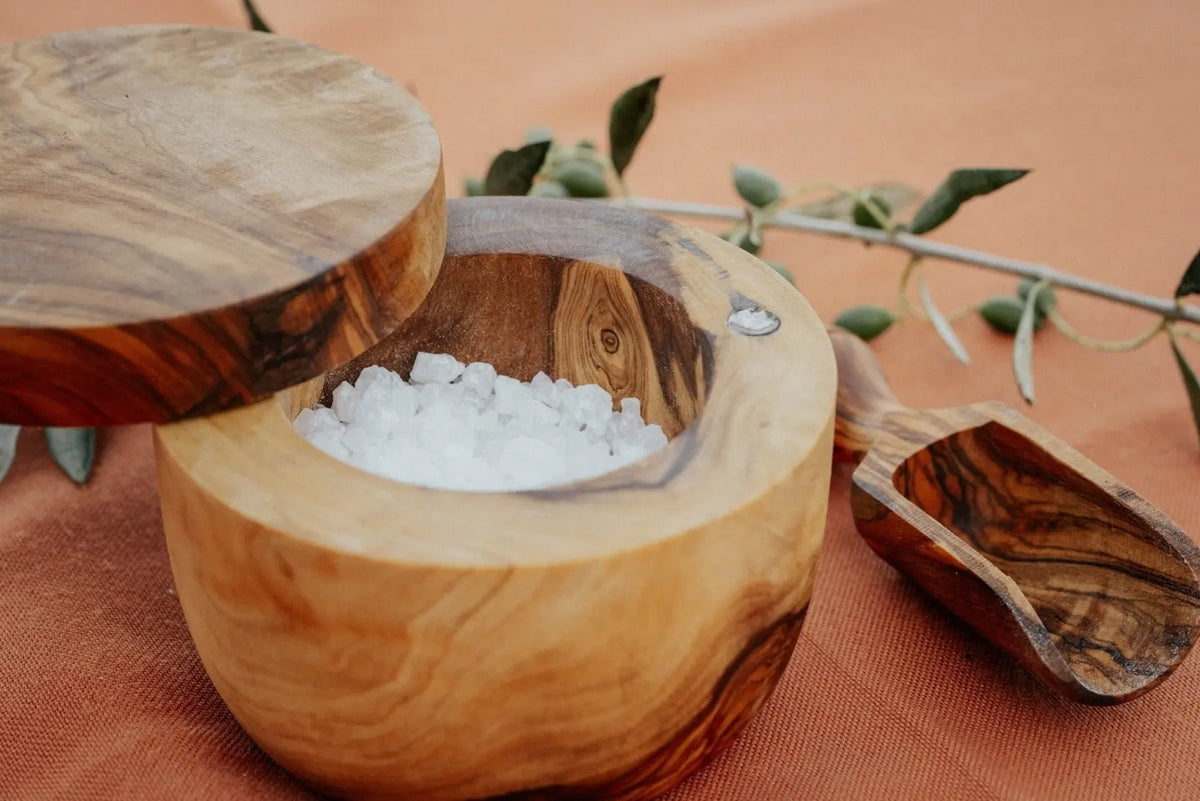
point(524, 313)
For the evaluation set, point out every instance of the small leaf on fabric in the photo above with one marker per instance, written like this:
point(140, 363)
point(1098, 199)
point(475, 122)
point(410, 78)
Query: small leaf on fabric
point(74, 449)
point(257, 23)
point(866, 321)
point(959, 187)
point(940, 323)
point(512, 172)
point(1189, 381)
point(757, 187)
point(8, 447)
point(628, 120)
point(1023, 344)
point(1190, 283)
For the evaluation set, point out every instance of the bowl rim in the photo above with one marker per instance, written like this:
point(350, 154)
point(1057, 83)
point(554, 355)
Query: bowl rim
point(775, 392)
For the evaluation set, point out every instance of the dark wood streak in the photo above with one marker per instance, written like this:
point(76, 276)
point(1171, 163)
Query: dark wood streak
point(557, 309)
point(1041, 551)
point(157, 264)
point(645, 252)
point(736, 698)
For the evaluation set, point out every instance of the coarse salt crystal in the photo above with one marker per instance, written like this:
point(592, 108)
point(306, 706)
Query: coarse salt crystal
point(544, 389)
point(304, 422)
point(345, 401)
point(372, 374)
point(512, 397)
point(464, 427)
point(479, 378)
point(436, 368)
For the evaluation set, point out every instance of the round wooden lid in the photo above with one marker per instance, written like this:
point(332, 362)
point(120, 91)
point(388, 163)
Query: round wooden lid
point(193, 218)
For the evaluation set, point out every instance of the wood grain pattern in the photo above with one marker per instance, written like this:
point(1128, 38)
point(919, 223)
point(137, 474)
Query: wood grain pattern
point(1045, 554)
point(192, 219)
point(600, 639)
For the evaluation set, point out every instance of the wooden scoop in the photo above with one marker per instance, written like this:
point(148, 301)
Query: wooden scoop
point(1020, 536)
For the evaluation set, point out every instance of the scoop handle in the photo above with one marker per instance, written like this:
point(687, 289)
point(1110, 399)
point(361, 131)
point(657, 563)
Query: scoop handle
point(863, 397)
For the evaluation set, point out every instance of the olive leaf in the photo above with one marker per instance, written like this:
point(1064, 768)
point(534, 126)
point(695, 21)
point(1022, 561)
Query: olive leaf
point(629, 118)
point(8, 447)
point(959, 187)
point(866, 321)
point(1023, 344)
point(757, 187)
point(1189, 381)
point(512, 171)
point(257, 23)
point(1190, 283)
point(940, 323)
point(74, 449)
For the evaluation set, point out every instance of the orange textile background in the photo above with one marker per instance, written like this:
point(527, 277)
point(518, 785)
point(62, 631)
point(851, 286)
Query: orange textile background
point(101, 692)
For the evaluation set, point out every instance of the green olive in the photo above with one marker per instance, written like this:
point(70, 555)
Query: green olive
point(863, 215)
point(582, 178)
point(866, 321)
point(548, 189)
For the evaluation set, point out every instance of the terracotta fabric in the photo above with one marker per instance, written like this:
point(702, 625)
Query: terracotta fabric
point(101, 693)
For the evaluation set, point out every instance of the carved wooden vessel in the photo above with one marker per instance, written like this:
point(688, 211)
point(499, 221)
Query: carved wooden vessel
point(1051, 558)
point(595, 640)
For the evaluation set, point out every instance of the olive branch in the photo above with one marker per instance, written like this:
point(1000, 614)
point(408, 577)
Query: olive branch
point(545, 168)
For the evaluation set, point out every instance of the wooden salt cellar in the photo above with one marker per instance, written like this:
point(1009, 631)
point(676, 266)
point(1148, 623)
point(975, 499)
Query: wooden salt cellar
point(194, 219)
point(599, 640)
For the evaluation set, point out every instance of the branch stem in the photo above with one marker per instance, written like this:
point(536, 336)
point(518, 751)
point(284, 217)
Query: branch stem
point(1106, 345)
point(920, 246)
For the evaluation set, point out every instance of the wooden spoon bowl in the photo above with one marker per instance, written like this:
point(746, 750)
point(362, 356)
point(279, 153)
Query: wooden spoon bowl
point(600, 639)
point(1047, 555)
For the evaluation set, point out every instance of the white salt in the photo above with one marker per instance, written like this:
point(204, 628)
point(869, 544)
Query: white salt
point(436, 397)
point(544, 389)
point(436, 368)
point(512, 397)
point(373, 373)
point(345, 402)
point(464, 427)
point(479, 378)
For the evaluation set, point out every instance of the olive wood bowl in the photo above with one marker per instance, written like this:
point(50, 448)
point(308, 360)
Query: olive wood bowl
point(600, 639)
